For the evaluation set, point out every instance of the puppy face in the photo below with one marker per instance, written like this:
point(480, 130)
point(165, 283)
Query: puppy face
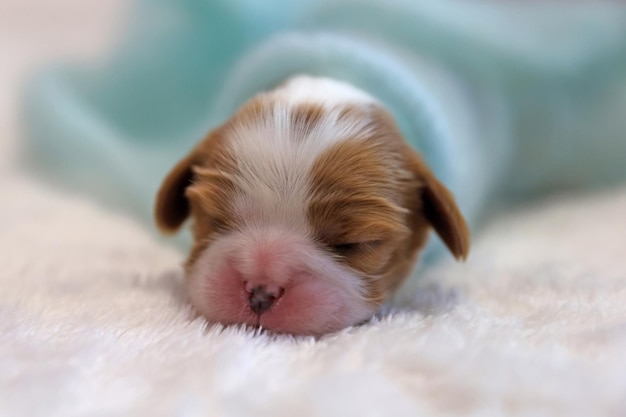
point(308, 210)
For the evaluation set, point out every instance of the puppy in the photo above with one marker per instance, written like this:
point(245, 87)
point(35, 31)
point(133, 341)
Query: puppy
point(309, 210)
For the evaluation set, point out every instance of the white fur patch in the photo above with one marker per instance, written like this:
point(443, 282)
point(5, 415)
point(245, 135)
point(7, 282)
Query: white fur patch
point(275, 157)
point(307, 89)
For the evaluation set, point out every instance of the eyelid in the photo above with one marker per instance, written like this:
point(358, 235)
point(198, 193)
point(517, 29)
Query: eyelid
point(353, 246)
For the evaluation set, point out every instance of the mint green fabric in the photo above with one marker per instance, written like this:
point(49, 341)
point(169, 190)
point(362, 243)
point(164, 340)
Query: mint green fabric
point(503, 99)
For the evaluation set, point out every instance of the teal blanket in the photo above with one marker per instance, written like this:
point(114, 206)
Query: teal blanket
point(503, 99)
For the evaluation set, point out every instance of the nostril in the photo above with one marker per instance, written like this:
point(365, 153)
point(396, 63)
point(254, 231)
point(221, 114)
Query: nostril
point(261, 299)
point(270, 288)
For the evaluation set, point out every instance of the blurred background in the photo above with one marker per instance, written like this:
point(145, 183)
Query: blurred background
point(518, 98)
point(553, 147)
point(35, 33)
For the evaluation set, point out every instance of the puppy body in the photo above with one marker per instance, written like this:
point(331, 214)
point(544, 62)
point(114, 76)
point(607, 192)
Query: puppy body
point(309, 210)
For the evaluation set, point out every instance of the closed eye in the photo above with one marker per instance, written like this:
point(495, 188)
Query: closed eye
point(350, 248)
point(345, 248)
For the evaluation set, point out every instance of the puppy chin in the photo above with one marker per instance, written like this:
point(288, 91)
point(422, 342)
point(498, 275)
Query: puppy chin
point(318, 295)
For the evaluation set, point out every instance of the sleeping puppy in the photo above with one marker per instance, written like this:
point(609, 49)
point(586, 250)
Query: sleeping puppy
point(309, 210)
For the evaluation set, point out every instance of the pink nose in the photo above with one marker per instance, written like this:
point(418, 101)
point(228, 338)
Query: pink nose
point(262, 297)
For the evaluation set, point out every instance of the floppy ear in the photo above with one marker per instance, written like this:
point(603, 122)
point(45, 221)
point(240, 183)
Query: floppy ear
point(441, 211)
point(438, 205)
point(172, 207)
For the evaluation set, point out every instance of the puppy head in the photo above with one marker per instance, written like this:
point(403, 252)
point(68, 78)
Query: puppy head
point(308, 210)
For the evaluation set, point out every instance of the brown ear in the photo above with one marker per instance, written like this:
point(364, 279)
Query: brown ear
point(441, 211)
point(172, 207)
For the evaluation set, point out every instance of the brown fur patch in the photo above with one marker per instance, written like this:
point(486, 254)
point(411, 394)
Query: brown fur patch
point(370, 191)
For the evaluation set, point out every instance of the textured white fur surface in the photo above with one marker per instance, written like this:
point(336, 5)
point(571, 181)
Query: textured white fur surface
point(93, 320)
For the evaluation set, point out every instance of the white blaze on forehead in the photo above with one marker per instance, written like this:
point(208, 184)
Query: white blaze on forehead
point(275, 157)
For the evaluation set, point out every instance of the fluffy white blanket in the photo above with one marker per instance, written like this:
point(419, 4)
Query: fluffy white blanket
point(93, 320)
